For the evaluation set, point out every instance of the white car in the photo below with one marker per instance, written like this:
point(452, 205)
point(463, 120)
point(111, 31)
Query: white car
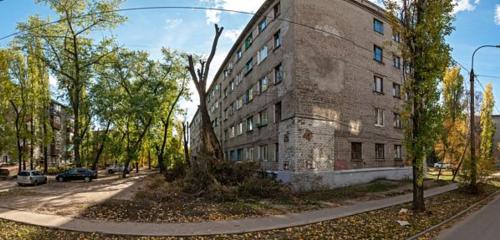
point(31, 177)
point(441, 165)
point(115, 168)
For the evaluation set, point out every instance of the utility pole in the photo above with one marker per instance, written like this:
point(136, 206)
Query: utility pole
point(473, 180)
point(473, 177)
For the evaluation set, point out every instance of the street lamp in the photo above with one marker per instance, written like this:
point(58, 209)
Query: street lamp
point(472, 120)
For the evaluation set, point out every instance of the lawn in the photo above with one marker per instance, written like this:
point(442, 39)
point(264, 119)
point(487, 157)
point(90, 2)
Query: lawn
point(162, 202)
point(379, 224)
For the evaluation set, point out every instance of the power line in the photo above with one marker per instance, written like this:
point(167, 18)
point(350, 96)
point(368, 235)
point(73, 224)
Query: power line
point(198, 8)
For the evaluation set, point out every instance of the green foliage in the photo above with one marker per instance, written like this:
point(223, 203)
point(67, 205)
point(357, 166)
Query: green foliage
point(453, 136)
point(423, 26)
point(486, 161)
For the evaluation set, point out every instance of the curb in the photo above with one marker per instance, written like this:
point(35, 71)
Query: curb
point(415, 237)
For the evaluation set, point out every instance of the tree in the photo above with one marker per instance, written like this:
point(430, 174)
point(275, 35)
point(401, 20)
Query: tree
point(6, 86)
point(135, 84)
point(485, 159)
point(423, 26)
point(70, 53)
point(18, 99)
point(176, 79)
point(453, 140)
point(211, 149)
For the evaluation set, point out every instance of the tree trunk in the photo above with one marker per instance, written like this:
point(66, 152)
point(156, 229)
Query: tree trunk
point(418, 191)
point(149, 159)
point(186, 146)
point(101, 147)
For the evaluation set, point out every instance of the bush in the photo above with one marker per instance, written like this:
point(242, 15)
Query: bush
point(4, 173)
point(56, 170)
point(234, 173)
point(263, 187)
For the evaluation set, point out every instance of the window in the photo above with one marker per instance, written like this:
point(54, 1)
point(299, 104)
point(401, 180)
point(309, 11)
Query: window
point(239, 129)
point(379, 151)
point(396, 90)
point(239, 154)
point(262, 117)
point(249, 124)
point(277, 10)
point(379, 117)
point(396, 37)
point(231, 86)
point(277, 39)
point(378, 26)
point(232, 131)
point(262, 55)
point(378, 53)
point(263, 84)
point(250, 94)
point(397, 121)
point(225, 114)
point(263, 25)
point(378, 84)
point(248, 41)
point(278, 74)
point(398, 152)
point(239, 54)
point(396, 62)
point(263, 153)
point(356, 151)
point(239, 103)
point(226, 92)
point(226, 134)
point(249, 154)
point(249, 66)
point(277, 112)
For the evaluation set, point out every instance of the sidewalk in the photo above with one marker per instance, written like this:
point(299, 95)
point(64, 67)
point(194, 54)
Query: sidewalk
point(482, 224)
point(209, 228)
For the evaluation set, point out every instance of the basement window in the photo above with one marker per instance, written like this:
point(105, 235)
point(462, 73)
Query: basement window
point(356, 151)
point(379, 151)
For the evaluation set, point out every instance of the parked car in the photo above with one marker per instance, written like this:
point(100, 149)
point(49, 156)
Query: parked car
point(442, 165)
point(116, 168)
point(31, 178)
point(77, 174)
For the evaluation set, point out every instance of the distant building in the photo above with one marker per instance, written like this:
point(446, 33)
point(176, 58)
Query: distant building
point(321, 98)
point(60, 150)
point(496, 140)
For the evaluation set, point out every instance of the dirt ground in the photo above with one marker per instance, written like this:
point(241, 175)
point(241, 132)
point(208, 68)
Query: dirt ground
point(69, 198)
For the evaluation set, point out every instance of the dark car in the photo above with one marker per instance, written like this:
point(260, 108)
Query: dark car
point(77, 174)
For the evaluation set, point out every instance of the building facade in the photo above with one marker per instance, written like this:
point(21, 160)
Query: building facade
point(60, 149)
point(313, 89)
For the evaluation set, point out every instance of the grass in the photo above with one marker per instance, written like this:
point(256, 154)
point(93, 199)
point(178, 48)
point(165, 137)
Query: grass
point(162, 202)
point(379, 224)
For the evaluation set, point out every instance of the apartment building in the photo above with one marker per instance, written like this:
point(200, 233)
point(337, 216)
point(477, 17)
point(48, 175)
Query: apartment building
point(313, 89)
point(60, 151)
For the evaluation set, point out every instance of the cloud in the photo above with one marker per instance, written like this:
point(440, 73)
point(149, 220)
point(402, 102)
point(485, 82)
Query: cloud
point(232, 34)
point(497, 14)
point(213, 16)
point(465, 5)
point(172, 23)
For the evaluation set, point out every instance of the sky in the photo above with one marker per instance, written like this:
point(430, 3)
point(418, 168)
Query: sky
point(477, 23)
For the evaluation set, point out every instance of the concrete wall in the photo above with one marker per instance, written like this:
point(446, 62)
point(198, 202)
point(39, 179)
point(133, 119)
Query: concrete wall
point(301, 181)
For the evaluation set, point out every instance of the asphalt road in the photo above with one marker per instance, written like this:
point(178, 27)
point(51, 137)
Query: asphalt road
point(481, 225)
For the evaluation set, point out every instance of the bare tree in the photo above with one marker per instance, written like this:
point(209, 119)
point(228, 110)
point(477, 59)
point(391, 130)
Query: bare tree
point(211, 147)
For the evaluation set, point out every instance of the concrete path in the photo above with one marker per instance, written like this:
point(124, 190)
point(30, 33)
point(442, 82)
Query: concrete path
point(481, 225)
point(208, 228)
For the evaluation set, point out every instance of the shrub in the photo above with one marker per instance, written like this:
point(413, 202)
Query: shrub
point(263, 187)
